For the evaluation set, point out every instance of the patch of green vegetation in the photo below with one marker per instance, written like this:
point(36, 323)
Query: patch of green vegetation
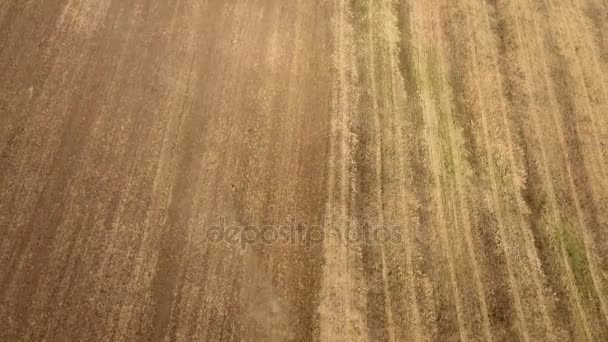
point(360, 9)
point(432, 83)
point(434, 78)
point(575, 249)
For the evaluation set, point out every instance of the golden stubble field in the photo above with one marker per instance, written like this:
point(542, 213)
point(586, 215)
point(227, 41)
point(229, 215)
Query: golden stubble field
point(207, 170)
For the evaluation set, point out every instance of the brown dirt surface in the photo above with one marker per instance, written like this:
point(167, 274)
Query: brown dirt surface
point(305, 170)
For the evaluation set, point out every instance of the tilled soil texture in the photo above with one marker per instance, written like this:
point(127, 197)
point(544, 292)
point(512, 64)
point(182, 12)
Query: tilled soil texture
point(305, 170)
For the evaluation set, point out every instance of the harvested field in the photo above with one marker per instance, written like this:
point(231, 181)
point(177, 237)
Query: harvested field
point(303, 170)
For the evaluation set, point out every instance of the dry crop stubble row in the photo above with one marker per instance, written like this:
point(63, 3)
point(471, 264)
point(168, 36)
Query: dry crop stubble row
point(477, 128)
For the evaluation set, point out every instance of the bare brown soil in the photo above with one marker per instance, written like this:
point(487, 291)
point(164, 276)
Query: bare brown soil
point(206, 170)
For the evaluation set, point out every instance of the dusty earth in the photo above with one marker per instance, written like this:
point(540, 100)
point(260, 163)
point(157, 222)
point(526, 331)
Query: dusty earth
point(208, 170)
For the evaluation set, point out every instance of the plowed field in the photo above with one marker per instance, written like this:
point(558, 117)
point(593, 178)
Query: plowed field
point(306, 170)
